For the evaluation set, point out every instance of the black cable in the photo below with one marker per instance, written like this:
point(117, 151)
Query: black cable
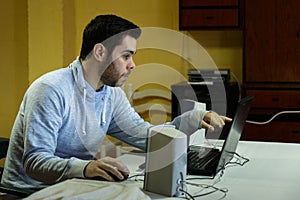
point(247, 159)
point(201, 178)
point(187, 194)
point(205, 186)
point(223, 190)
point(215, 189)
point(135, 177)
point(239, 162)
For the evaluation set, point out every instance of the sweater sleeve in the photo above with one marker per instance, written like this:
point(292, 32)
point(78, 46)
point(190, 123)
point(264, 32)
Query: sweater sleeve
point(43, 113)
point(126, 124)
point(189, 121)
point(129, 127)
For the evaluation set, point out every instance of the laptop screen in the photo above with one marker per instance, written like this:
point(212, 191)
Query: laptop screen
point(235, 131)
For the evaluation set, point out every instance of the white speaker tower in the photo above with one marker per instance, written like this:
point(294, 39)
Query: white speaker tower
point(166, 159)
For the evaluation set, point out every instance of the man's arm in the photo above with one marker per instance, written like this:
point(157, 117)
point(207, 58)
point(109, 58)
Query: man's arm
point(129, 127)
point(43, 114)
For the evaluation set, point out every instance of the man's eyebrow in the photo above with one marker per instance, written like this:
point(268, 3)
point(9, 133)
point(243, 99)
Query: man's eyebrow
point(132, 52)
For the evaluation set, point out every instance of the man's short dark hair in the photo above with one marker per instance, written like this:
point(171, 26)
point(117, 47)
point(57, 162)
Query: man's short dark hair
point(102, 28)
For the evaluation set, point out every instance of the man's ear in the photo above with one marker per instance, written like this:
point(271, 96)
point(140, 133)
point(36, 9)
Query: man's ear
point(99, 52)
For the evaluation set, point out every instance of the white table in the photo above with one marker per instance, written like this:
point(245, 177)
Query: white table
point(271, 173)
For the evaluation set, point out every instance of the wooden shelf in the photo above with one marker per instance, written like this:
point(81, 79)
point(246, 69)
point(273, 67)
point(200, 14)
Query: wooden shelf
point(209, 14)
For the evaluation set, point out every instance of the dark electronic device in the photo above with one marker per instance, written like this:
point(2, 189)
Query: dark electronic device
point(208, 75)
point(99, 178)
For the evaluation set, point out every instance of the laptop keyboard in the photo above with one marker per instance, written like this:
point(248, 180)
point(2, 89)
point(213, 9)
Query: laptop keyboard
point(201, 158)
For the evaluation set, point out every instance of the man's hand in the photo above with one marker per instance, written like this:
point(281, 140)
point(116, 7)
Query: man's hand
point(101, 166)
point(212, 119)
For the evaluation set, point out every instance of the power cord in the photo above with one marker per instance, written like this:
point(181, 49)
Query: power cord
point(259, 123)
point(136, 177)
point(240, 160)
point(202, 192)
point(213, 189)
point(181, 186)
point(272, 118)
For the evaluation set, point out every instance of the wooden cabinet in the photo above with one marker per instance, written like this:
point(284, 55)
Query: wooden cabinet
point(272, 68)
point(209, 14)
point(268, 102)
point(272, 41)
point(275, 99)
point(277, 131)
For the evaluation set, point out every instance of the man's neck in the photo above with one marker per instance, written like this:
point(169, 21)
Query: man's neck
point(91, 74)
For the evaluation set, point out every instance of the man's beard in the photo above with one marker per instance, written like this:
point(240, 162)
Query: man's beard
point(111, 78)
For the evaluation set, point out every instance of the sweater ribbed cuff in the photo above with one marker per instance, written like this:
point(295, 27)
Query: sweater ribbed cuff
point(77, 168)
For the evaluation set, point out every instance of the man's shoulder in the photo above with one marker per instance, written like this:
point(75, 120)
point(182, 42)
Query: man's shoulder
point(60, 79)
point(57, 75)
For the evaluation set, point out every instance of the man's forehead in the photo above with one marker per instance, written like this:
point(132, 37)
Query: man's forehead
point(128, 45)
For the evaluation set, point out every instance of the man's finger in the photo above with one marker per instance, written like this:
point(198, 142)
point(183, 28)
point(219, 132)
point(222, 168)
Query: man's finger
point(217, 120)
point(226, 119)
point(207, 126)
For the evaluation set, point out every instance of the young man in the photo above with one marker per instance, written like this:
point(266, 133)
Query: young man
point(65, 114)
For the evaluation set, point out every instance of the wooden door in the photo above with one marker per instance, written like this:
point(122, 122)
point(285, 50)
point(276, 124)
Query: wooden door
point(259, 40)
point(272, 41)
point(288, 41)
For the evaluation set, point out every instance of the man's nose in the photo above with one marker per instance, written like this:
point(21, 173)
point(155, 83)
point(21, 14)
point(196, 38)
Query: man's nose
point(131, 64)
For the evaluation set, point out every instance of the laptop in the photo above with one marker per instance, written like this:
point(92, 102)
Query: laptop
point(207, 161)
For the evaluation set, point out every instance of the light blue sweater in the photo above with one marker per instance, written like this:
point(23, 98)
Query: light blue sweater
point(62, 122)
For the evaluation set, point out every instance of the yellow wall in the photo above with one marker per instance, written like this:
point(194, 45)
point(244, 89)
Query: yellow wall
point(38, 36)
point(45, 41)
point(13, 60)
point(226, 49)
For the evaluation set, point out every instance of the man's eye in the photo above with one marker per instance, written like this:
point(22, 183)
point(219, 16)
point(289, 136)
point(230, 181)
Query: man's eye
point(126, 56)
